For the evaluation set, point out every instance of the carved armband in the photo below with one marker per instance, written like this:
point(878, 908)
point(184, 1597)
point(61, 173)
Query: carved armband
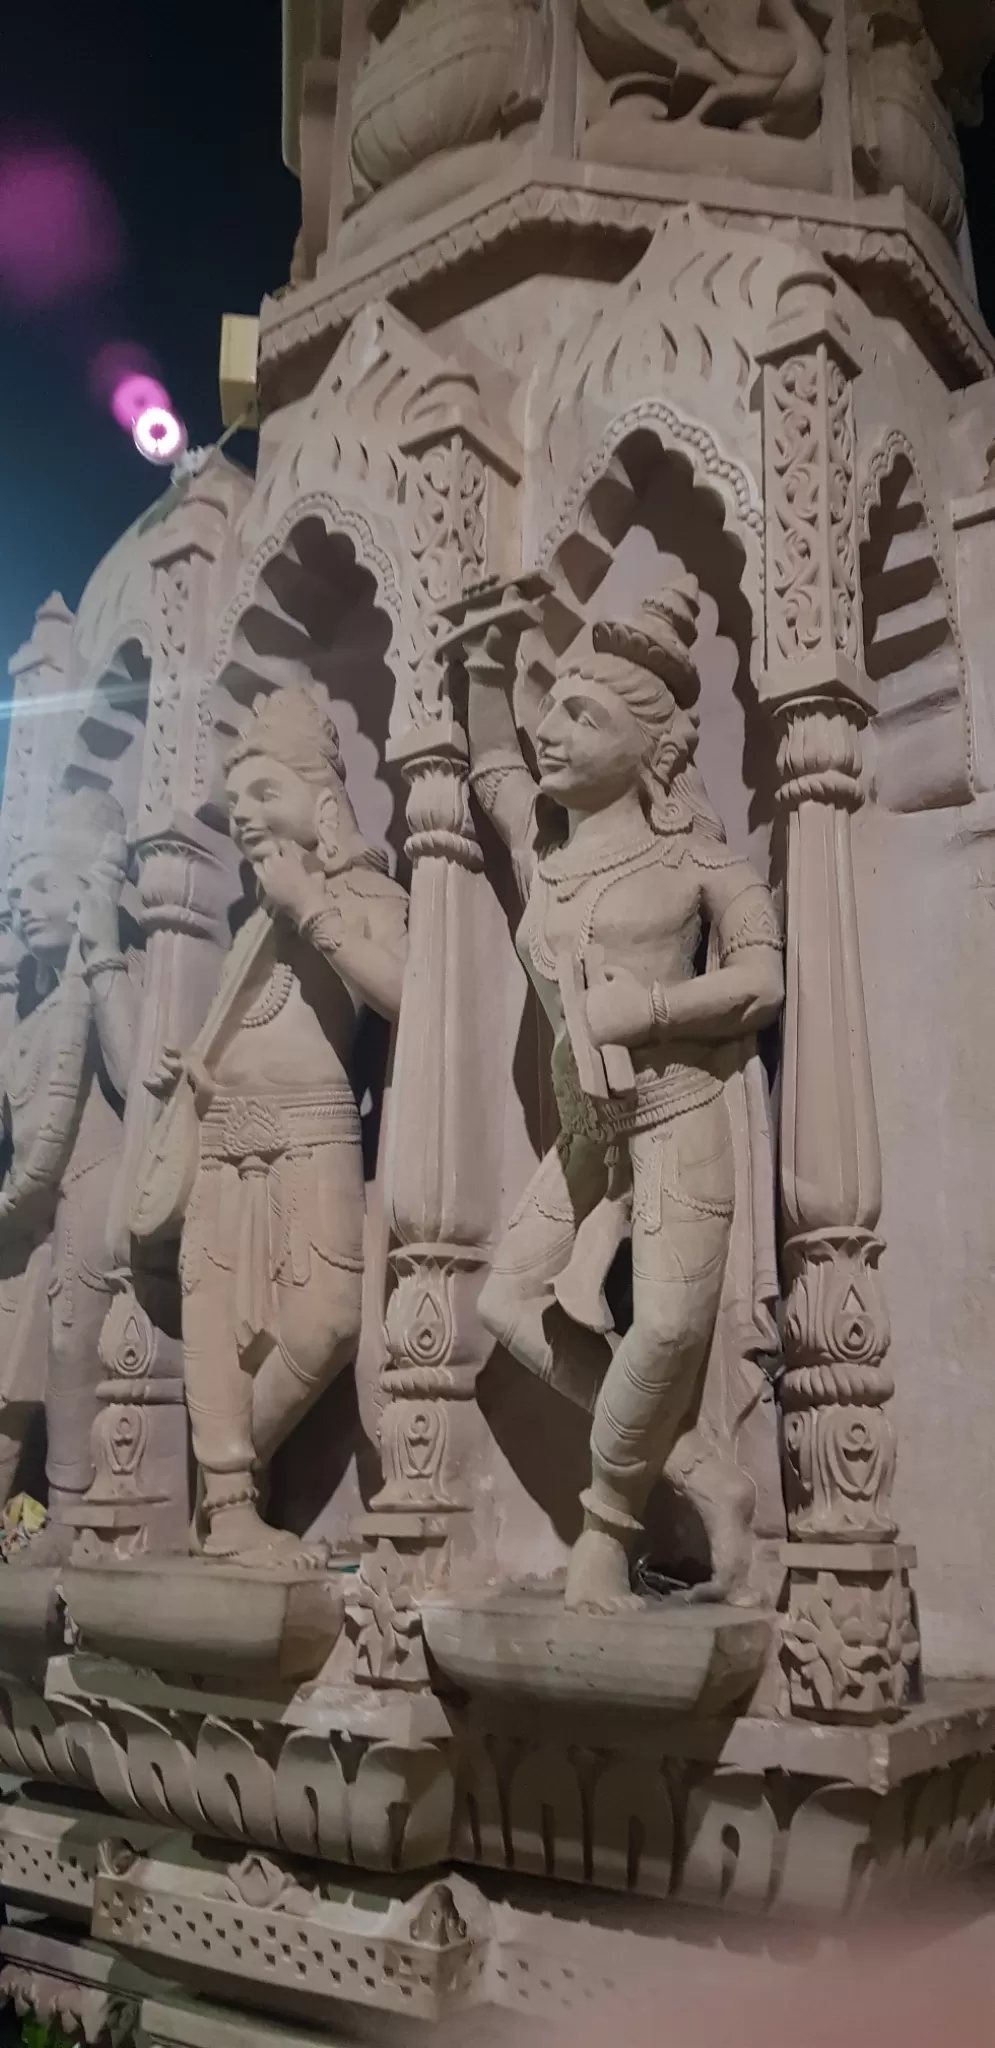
point(750, 921)
point(104, 963)
point(324, 929)
point(486, 780)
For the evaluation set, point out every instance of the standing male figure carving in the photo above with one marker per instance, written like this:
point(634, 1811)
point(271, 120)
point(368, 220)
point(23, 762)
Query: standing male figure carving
point(65, 1073)
point(258, 1154)
point(624, 876)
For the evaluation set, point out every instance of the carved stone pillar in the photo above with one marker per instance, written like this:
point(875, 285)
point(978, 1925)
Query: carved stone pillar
point(140, 1497)
point(849, 1644)
point(464, 520)
point(41, 719)
point(438, 1208)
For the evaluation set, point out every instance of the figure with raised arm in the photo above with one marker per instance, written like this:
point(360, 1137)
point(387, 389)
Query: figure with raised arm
point(627, 873)
point(257, 1156)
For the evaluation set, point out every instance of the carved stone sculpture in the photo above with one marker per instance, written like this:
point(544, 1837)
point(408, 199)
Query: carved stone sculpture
point(23, 1264)
point(705, 87)
point(903, 133)
point(258, 1150)
point(65, 1072)
point(444, 86)
point(626, 867)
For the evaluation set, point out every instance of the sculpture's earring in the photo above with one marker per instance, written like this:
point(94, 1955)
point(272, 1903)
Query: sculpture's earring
point(326, 820)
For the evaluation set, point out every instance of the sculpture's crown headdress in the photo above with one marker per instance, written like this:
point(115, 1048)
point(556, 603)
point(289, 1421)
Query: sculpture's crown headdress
point(291, 725)
point(659, 639)
point(79, 820)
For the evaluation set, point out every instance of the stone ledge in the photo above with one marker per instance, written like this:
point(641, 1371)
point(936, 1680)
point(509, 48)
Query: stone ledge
point(860, 238)
point(954, 1724)
point(175, 2023)
point(353, 1710)
point(30, 1617)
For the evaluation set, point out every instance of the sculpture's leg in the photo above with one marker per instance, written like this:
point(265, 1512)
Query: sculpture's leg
point(319, 1331)
point(229, 1307)
point(79, 1296)
point(683, 1193)
point(318, 1203)
point(518, 1303)
point(725, 1498)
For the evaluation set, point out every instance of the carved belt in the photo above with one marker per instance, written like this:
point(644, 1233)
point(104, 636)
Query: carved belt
point(237, 1128)
point(657, 1099)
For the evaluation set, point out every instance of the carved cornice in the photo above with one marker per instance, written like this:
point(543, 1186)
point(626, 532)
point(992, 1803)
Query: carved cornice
point(868, 241)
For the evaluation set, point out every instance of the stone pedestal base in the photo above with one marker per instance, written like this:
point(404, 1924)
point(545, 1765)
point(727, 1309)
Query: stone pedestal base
point(221, 1622)
point(850, 1638)
point(661, 1657)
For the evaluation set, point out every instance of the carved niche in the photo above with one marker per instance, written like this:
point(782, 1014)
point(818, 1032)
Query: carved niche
point(141, 659)
point(903, 133)
point(448, 92)
point(922, 749)
point(728, 89)
point(395, 456)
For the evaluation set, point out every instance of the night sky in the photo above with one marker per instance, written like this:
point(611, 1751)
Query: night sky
point(176, 111)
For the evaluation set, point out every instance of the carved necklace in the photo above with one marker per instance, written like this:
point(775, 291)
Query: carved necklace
point(271, 1000)
point(565, 883)
point(563, 872)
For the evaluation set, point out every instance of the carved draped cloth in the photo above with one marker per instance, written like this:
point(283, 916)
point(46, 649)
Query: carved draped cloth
point(280, 1182)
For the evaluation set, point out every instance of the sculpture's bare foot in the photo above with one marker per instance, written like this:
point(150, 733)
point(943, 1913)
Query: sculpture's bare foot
point(598, 1575)
point(725, 1499)
point(729, 1584)
point(238, 1535)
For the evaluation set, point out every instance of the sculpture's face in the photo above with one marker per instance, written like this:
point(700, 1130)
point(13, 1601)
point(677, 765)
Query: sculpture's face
point(270, 806)
point(590, 748)
point(44, 891)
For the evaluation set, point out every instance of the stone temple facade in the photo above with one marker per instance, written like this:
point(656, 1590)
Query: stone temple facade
point(497, 1229)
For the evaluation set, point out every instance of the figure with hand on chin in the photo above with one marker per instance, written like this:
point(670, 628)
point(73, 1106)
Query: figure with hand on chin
point(257, 1156)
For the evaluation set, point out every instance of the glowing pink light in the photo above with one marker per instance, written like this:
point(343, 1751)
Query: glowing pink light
point(59, 227)
point(158, 434)
point(136, 395)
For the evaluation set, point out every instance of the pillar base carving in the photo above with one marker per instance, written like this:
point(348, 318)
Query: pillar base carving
point(140, 1497)
point(838, 1441)
point(850, 1638)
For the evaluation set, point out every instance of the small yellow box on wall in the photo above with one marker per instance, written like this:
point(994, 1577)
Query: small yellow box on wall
point(237, 368)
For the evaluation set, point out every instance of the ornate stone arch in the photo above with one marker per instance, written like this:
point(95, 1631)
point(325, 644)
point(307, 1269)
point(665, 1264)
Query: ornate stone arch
point(394, 451)
point(142, 645)
point(658, 471)
point(923, 737)
point(319, 602)
point(676, 347)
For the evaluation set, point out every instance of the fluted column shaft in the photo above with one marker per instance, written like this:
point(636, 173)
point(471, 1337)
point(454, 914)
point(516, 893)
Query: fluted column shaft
point(849, 1646)
point(438, 1210)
